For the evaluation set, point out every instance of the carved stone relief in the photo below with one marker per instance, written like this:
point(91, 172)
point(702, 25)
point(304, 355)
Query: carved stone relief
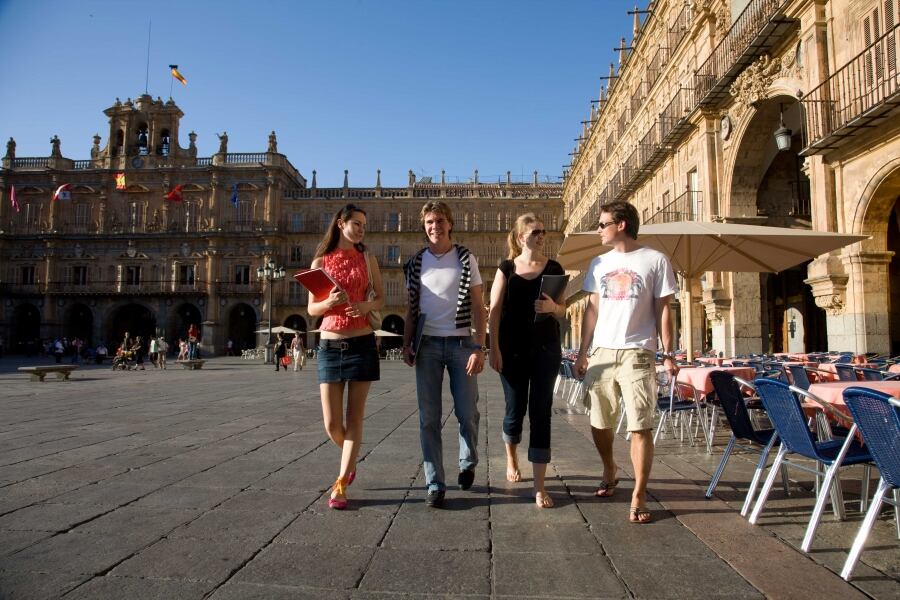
point(751, 85)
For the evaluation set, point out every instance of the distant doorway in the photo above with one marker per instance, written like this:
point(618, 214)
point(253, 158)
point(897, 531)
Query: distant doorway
point(80, 323)
point(135, 319)
point(242, 325)
point(26, 330)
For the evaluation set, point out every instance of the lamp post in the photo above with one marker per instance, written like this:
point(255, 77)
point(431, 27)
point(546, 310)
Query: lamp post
point(270, 273)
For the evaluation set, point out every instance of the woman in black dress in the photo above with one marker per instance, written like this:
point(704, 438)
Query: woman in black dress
point(526, 350)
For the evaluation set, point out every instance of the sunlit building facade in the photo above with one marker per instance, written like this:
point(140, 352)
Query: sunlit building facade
point(179, 238)
point(685, 128)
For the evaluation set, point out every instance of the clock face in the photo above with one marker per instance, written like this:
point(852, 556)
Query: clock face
point(725, 126)
point(137, 162)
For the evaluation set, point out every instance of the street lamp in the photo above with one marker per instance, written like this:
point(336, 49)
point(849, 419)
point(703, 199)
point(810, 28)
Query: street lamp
point(270, 274)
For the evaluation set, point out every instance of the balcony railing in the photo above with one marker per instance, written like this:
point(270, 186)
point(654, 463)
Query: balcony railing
point(31, 162)
point(238, 289)
point(861, 94)
point(679, 27)
point(673, 120)
point(145, 287)
point(801, 205)
point(759, 28)
point(686, 207)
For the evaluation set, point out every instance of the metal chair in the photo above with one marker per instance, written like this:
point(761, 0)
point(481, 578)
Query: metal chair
point(878, 416)
point(798, 374)
point(733, 403)
point(681, 397)
point(789, 421)
point(864, 374)
point(845, 372)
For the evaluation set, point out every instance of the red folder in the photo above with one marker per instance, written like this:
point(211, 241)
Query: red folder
point(317, 281)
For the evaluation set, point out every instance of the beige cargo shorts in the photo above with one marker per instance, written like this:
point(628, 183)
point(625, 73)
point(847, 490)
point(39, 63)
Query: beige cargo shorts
point(629, 374)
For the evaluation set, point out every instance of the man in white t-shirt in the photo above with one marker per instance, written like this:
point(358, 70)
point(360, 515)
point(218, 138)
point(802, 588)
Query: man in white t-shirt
point(445, 289)
point(630, 290)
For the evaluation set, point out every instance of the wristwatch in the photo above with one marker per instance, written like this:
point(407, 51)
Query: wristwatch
point(483, 348)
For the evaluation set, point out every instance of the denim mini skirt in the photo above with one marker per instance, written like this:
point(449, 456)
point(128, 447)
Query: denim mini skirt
point(349, 359)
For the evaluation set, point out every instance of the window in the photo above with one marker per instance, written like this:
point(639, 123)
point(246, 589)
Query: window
point(82, 215)
point(394, 292)
point(28, 275)
point(132, 275)
point(244, 212)
point(296, 222)
point(79, 275)
point(186, 274)
point(191, 216)
point(392, 257)
point(296, 254)
point(242, 274)
point(296, 294)
point(393, 221)
point(135, 216)
point(325, 221)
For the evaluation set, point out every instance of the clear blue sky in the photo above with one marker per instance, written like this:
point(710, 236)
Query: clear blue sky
point(357, 84)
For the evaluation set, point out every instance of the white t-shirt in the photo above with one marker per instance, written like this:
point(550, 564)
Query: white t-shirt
point(440, 292)
point(628, 284)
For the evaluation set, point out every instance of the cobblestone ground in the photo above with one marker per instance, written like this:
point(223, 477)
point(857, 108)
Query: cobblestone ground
point(213, 484)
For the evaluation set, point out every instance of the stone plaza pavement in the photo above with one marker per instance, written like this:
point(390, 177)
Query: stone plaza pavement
point(213, 484)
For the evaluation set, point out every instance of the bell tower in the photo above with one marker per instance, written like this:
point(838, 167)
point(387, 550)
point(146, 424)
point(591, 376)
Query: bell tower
point(142, 134)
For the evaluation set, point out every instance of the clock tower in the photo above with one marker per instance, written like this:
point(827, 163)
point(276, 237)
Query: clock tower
point(143, 133)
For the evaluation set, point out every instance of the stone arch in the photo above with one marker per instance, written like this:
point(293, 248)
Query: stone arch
point(79, 323)
point(242, 324)
point(295, 321)
point(136, 318)
point(182, 317)
point(25, 330)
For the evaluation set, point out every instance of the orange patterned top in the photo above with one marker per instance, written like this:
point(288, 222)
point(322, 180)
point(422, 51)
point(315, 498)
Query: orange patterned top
point(348, 268)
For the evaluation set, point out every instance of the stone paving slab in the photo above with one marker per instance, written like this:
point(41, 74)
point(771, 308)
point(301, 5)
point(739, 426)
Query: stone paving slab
point(216, 486)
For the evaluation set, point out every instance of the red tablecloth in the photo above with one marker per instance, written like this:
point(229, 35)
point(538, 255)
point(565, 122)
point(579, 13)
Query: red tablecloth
point(699, 376)
point(831, 370)
point(711, 360)
point(894, 368)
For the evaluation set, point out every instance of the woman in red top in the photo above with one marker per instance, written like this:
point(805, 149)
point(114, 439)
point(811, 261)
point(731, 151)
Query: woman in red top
point(347, 352)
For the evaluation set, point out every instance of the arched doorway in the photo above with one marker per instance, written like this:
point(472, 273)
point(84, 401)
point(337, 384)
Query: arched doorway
point(893, 245)
point(80, 323)
point(295, 322)
point(133, 318)
point(181, 318)
point(772, 312)
point(26, 329)
point(242, 324)
point(394, 324)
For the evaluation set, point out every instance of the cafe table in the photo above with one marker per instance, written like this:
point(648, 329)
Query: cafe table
point(894, 368)
point(830, 370)
point(833, 392)
point(699, 376)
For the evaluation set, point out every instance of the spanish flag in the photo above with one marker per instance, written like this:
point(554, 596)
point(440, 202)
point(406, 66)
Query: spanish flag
point(178, 75)
point(120, 181)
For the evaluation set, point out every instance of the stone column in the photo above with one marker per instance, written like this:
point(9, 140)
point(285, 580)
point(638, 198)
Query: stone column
point(866, 319)
point(272, 205)
point(746, 307)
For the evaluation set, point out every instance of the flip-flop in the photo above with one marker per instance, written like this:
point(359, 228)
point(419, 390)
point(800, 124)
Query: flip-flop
point(606, 488)
point(640, 515)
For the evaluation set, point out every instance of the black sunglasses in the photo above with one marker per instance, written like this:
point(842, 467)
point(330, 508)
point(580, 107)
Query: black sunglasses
point(537, 232)
point(602, 225)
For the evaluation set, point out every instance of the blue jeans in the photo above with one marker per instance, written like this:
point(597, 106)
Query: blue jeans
point(436, 354)
point(192, 350)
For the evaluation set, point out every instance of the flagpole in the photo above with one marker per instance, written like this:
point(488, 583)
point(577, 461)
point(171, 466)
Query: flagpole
point(147, 72)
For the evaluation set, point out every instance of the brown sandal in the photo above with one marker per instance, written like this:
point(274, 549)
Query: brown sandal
point(606, 488)
point(640, 514)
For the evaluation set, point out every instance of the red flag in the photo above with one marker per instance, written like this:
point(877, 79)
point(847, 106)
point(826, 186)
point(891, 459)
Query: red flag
point(62, 192)
point(12, 198)
point(120, 181)
point(175, 194)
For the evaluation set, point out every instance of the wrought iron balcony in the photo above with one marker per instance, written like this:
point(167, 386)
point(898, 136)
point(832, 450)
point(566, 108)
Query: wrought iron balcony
point(859, 96)
point(756, 31)
point(686, 207)
point(673, 120)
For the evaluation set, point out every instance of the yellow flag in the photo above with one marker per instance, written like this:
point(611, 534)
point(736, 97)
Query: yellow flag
point(120, 181)
point(178, 75)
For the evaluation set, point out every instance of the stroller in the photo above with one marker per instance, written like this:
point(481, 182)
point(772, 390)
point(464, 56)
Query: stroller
point(124, 360)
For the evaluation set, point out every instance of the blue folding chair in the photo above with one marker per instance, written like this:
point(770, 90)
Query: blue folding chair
point(845, 372)
point(733, 403)
point(787, 416)
point(878, 416)
point(798, 374)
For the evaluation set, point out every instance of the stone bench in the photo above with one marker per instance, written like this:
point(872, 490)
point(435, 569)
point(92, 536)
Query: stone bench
point(38, 373)
point(196, 363)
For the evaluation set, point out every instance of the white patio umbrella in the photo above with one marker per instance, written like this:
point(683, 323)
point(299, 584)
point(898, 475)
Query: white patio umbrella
point(280, 329)
point(383, 333)
point(695, 248)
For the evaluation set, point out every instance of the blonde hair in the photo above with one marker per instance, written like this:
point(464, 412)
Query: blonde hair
point(438, 207)
point(512, 241)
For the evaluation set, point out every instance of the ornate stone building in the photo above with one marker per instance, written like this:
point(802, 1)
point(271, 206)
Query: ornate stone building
point(685, 128)
point(114, 258)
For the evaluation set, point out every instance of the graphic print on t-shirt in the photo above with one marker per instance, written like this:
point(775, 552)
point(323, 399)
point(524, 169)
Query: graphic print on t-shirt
point(621, 284)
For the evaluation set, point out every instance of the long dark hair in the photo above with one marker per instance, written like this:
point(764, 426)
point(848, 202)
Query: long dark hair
point(333, 233)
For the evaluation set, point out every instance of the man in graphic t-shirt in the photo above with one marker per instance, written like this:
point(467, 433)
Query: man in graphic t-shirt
point(445, 289)
point(630, 289)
